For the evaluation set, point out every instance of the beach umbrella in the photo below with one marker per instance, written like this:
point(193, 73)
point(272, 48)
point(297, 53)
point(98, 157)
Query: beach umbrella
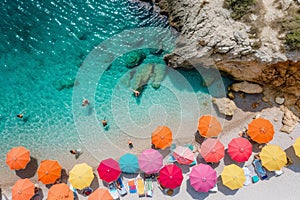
point(296, 147)
point(272, 157)
point(170, 176)
point(100, 194)
point(109, 170)
point(203, 178)
point(60, 191)
point(183, 155)
point(162, 137)
point(239, 149)
point(81, 176)
point(129, 163)
point(23, 189)
point(260, 130)
point(209, 126)
point(49, 171)
point(212, 150)
point(17, 158)
point(150, 161)
point(233, 176)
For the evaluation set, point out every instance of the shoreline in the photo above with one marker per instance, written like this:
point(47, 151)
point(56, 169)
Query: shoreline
point(230, 130)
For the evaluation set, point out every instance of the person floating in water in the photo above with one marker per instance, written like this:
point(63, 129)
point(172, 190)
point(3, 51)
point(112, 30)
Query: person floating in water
point(104, 122)
point(21, 115)
point(130, 144)
point(85, 102)
point(136, 93)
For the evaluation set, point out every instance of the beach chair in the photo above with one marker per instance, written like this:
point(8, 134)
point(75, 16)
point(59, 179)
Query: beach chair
point(247, 175)
point(113, 191)
point(214, 189)
point(261, 172)
point(149, 187)
point(131, 186)
point(120, 187)
point(140, 187)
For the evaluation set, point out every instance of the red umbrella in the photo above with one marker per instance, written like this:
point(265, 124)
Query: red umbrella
point(203, 178)
point(109, 170)
point(239, 149)
point(212, 150)
point(170, 176)
point(183, 155)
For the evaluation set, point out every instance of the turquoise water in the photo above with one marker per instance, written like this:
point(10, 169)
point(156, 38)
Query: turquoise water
point(44, 45)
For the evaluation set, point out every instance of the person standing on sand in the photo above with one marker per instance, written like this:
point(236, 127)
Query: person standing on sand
point(76, 152)
point(130, 144)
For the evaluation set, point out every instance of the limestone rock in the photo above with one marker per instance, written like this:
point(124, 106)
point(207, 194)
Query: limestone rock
point(159, 71)
point(133, 58)
point(142, 75)
point(289, 120)
point(246, 87)
point(279, 100)
point(225, 106)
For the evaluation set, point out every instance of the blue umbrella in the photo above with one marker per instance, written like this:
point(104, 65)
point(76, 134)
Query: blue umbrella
point(129, 163)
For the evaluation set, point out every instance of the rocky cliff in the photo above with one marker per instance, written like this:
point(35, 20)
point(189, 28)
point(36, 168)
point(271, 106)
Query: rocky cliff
point(252, 49)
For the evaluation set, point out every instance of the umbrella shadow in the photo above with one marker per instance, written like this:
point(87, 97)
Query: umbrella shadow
point(290, 152)
point(30, 169)
point(130, 175)
point(39, 195)
point(64, 176)
point(194, 194)
point(256, 148)
point(164, 152)
point(225, 190)
point(184, 168)
point(95, 183)
point(198, 138)
point(228, 160)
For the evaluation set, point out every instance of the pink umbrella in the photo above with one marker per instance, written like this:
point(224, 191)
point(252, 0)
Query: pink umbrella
point(183, 155)
point(203, 178)
point(212, 150)
point(170, 176)
point(150, 161)
point(239, 149)
point(109, 170)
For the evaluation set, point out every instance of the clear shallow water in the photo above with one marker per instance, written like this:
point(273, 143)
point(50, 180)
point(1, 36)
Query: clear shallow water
point(44, 43)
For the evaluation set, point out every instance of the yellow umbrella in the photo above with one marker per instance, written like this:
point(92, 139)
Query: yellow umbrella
point(296, 147)
point(273, 157)
point(233, 176)
point(81, 176)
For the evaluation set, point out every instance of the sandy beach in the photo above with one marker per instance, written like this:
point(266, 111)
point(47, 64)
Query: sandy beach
point(282, 187)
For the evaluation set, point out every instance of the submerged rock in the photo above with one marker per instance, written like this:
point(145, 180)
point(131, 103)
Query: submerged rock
point(64, 83)
point(159, 71)
point(225, 106)
point(133, 58)
point(249, 88)
point(142, 74)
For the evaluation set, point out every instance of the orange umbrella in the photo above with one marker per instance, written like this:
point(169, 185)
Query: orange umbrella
point(49, 171)
point(100, 193)
point(60, 191)
point(261, 130)
point(209, 126)
point(23, 189)
point(17, 158)
point(162, 137)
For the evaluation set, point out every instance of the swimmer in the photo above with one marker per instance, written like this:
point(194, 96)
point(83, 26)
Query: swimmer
point(85, 102)
point(20, 116)
point(136, 93)
point(104, 122)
